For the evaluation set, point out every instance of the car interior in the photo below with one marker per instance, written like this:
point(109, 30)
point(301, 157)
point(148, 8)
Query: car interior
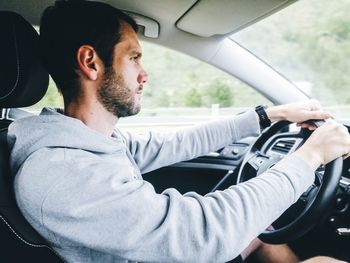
point(318, 224)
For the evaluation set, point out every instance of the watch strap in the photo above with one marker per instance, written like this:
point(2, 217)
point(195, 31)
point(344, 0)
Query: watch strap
point(264, 120)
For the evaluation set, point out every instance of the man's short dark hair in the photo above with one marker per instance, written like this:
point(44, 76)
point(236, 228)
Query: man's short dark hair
point(70, 24)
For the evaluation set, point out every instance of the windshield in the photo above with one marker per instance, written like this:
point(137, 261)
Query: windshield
point(309, 43)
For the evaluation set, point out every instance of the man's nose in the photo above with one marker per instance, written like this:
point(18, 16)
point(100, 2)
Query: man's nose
point(143, 77)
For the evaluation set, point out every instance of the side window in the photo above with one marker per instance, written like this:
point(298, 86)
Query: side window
point(181, 91)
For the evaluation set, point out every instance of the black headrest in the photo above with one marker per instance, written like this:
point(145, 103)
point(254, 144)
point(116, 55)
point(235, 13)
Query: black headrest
point(23, 80)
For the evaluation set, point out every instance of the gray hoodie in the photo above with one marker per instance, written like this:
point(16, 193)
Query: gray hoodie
point(83, 191)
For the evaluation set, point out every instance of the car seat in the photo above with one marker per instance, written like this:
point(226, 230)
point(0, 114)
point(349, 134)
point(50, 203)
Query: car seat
point(23, 83)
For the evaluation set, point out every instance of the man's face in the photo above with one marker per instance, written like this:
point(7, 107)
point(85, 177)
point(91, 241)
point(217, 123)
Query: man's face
point(122, 85)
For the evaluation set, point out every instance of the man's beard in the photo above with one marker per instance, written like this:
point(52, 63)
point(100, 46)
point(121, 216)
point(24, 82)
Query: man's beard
point(115, 96)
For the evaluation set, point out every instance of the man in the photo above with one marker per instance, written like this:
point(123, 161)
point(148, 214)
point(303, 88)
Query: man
point(78, 179)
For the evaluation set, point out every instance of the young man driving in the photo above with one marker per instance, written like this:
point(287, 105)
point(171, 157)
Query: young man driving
point(78, 178)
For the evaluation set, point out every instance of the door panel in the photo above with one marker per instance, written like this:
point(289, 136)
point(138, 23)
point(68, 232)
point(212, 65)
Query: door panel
point(215, 171)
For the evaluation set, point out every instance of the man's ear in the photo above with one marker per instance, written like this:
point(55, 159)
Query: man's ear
point(88, 61)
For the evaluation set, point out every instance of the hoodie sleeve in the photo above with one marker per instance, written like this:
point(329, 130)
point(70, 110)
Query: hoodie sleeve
point(92, 208)
point(153, 150)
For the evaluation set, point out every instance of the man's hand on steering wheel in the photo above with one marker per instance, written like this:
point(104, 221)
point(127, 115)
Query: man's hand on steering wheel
point(325, 144)
point(328, 142)
point(298, 112)
point(320, 148)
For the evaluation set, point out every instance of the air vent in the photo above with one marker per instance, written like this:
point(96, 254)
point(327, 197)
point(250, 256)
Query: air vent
point(283, 146)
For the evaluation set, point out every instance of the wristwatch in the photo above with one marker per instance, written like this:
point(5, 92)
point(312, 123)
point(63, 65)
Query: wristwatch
point(264, 120)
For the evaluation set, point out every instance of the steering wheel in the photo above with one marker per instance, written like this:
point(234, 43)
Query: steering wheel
point(312, 205)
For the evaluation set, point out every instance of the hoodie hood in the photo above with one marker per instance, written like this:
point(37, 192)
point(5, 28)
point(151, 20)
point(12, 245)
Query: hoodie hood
point(53, 129)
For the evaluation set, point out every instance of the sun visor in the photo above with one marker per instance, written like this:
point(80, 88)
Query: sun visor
point(209, 17)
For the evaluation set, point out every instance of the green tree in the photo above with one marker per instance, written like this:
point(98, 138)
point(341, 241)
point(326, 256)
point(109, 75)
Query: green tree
point(193, 98)
point(219, 92)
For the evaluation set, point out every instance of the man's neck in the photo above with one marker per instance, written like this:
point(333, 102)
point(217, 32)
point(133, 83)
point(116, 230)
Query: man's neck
point(93, 115)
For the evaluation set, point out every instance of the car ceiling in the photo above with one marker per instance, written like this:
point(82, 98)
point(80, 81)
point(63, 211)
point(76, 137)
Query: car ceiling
point(202, 18)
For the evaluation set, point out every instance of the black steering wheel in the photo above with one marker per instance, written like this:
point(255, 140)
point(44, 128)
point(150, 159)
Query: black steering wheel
point(313, 204)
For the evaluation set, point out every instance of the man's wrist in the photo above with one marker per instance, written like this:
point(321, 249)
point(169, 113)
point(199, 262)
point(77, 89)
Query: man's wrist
point(276, 113)
point(309, 156)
